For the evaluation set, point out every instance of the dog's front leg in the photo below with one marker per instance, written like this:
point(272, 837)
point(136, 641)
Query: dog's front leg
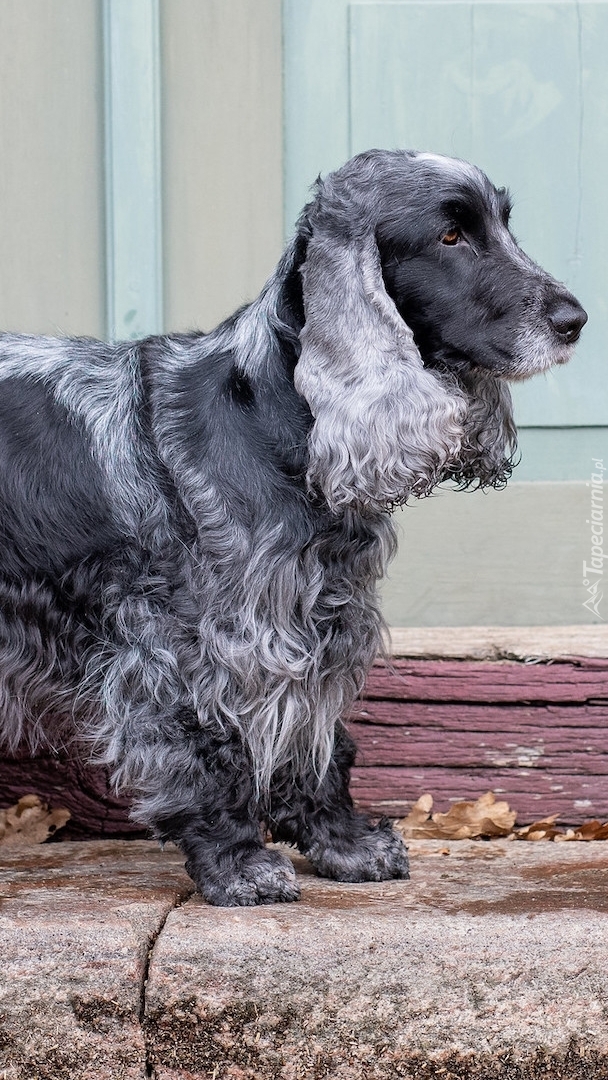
point(203, 799)
point(319, 817)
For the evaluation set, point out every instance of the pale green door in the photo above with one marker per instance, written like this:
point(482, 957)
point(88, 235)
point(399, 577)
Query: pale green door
point(521, 89)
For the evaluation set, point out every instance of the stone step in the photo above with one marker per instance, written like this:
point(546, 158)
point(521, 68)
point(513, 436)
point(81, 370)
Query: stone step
point(490, 964)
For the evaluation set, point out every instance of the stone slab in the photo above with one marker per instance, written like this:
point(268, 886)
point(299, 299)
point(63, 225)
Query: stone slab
point(490, 964)
point(77, 922)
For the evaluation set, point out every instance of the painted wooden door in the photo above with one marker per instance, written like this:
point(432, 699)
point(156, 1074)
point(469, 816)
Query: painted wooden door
point(521, 89)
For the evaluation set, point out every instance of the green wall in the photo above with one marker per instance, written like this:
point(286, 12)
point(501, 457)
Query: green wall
point(521, 89)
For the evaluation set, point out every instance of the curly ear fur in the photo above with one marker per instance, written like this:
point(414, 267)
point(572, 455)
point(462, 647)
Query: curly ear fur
point(385, 427)
point(490, 436)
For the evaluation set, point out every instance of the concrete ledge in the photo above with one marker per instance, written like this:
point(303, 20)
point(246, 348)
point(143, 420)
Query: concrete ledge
point(491, 963)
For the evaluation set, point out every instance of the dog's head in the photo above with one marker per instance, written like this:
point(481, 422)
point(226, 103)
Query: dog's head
point(471, 296)
point(418, 306)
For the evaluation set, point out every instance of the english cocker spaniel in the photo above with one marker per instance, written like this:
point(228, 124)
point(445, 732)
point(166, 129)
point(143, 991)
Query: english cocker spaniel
point(193, 525)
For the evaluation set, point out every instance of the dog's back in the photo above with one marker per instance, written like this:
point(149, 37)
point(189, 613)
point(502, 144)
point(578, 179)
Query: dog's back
point(194, 526)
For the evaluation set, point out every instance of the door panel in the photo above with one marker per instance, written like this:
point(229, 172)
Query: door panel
point(521, 89)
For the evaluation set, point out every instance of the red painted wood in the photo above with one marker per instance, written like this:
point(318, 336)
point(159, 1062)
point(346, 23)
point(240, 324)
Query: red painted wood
point(533, 794)
point(534, 748)
point(488, 680)
point(536, 733)
point(455, 716)
point(84, 791)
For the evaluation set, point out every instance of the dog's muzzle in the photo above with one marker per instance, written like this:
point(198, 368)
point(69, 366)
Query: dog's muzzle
point(566, 317)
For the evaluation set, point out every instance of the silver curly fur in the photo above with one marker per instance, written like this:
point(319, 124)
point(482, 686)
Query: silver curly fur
point(189, 578)
point(385, 427)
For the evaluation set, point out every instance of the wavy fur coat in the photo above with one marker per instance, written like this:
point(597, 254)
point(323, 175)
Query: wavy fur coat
point(193, 525)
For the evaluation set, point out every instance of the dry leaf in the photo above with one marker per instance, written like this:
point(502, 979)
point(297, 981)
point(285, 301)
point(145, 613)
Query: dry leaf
point(546, 830)
point(540, 830)
point(592, 830)
point(418, 821)
point(30, 822)
point(485, 817)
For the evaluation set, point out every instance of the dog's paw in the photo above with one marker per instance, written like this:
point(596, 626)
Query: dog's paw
point(258, 877)
point(377, 855)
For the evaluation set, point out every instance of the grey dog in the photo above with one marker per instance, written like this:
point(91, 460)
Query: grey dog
point(193, 525)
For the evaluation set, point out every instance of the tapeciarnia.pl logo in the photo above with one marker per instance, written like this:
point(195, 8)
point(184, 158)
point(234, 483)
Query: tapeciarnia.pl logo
point(593, 571)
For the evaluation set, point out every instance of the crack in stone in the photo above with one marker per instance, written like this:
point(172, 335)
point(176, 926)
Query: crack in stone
point(180, 899)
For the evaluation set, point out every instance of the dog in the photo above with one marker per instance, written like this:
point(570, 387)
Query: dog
point(194, 525)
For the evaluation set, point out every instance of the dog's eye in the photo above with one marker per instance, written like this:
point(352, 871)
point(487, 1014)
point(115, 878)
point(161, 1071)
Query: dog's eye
point(451, 237)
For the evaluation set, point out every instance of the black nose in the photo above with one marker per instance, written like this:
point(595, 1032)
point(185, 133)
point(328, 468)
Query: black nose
point(567, 318)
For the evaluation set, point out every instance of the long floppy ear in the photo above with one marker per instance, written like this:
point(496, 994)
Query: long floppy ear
point(490, 436)
point(385, 427)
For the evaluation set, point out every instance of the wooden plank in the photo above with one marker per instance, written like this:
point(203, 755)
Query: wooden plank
point(489, 681)
point(446, 717)
point(83, 790)
point(536, 733)
point(499, 642)
point(532, 794)
point(503, 746)
point(454, 728)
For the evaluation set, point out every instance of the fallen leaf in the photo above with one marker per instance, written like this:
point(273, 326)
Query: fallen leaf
point(540, 830)
point(418, 822)
point(30, 822)
point(484, 817)
point(592, 830)
point(547, 830)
